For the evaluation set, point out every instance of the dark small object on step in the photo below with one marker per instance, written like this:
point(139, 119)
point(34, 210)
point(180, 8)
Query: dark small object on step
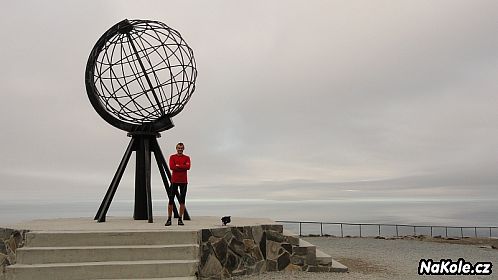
point(225, 220)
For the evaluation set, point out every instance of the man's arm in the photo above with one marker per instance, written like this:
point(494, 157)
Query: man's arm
point(172, 165)
point(184, 167)
point(187, 163)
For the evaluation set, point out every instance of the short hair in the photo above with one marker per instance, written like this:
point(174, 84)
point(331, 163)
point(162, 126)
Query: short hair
point(180, 144)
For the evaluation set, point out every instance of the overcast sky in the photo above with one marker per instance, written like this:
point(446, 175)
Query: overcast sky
point(294, 99)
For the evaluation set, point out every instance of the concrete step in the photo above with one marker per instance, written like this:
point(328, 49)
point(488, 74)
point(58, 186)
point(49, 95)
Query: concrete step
point(44, 255)
point(168, 278)
point(108, 238)
point(321, 257)
point(324, 258)
point(338, 267)
point(103, 270)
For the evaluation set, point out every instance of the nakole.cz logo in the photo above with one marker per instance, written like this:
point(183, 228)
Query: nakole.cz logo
point(449, 267)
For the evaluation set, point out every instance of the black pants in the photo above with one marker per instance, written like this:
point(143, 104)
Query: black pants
point(174, 191)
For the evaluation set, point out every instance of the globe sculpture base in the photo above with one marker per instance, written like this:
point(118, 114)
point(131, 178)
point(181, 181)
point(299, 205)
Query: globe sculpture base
point(143, 144)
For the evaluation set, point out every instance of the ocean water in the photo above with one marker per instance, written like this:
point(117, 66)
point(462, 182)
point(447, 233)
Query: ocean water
point(435, 212)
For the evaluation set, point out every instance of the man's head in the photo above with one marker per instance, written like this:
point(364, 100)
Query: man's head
point(179, 148)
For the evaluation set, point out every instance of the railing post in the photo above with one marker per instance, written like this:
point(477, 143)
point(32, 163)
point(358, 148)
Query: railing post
point(431, 231)
point(360, 230)
point(446, 229)
point(321, 229)
point(475, 231)
point(379, 230)
point(300, 229)
point(342, 232)
point(489, 232)
point(397, 235)
point(414, 231)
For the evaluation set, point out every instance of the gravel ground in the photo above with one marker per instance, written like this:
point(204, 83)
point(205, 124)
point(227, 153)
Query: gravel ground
point(369, 258)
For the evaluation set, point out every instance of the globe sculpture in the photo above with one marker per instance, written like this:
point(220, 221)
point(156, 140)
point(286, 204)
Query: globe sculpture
point(139, 75)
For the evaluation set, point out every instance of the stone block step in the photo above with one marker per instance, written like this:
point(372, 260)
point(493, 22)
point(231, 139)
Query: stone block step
point(103, 270)
point(338, 267)
point(325, 259)
point(321, 257)
point(108, 238)
point(44, 255)
point(168, 278)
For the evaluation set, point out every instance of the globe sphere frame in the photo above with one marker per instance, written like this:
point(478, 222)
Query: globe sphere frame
point(139, 75)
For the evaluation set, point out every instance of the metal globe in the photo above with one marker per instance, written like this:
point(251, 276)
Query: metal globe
point(139, 75)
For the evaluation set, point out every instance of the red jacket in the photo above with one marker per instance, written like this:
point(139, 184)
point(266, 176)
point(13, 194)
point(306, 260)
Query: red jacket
point(179, 164)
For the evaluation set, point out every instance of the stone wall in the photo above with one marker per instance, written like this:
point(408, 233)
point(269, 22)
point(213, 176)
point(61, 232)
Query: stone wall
point(233, 251)
point(10, 241)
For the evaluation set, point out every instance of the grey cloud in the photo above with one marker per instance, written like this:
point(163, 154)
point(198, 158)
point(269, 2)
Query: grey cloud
point(323, 91)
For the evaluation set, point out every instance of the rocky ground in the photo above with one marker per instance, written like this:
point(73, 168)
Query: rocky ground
point(394, 258)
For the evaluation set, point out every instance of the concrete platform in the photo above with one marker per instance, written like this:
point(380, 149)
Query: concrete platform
point(128, 224)
point(120, 248)
point(124, 248)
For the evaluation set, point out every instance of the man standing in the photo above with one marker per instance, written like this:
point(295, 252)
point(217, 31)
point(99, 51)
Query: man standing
point(179, 164)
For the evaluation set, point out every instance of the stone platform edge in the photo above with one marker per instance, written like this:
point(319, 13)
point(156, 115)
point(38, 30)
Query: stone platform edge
point(248, 250)
point(10, 241)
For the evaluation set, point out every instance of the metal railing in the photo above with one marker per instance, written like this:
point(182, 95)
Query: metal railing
point(367, 229)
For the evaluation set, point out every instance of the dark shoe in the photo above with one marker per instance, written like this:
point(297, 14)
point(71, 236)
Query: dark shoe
point(180, 222)
point(168, 222)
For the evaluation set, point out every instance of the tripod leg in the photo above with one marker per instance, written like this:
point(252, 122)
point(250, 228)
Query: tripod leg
point(161, 164)
point(186, 216)
point(106, 202)
point(160, 157)
point(147, 180)
point(142, 179)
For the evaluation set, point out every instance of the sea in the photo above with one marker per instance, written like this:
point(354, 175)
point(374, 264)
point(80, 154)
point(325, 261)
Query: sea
point(320, 216)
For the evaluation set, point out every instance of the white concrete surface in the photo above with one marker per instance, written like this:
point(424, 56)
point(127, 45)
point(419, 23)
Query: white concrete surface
point(168, 278)
point(98, 270)
point(109, 238)
point(45, 255)
point(128, 224)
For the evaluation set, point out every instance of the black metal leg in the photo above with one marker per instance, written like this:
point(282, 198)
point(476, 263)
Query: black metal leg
point(106, 202)
point(147, 180)
point(140, 209)
point(186, 216)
